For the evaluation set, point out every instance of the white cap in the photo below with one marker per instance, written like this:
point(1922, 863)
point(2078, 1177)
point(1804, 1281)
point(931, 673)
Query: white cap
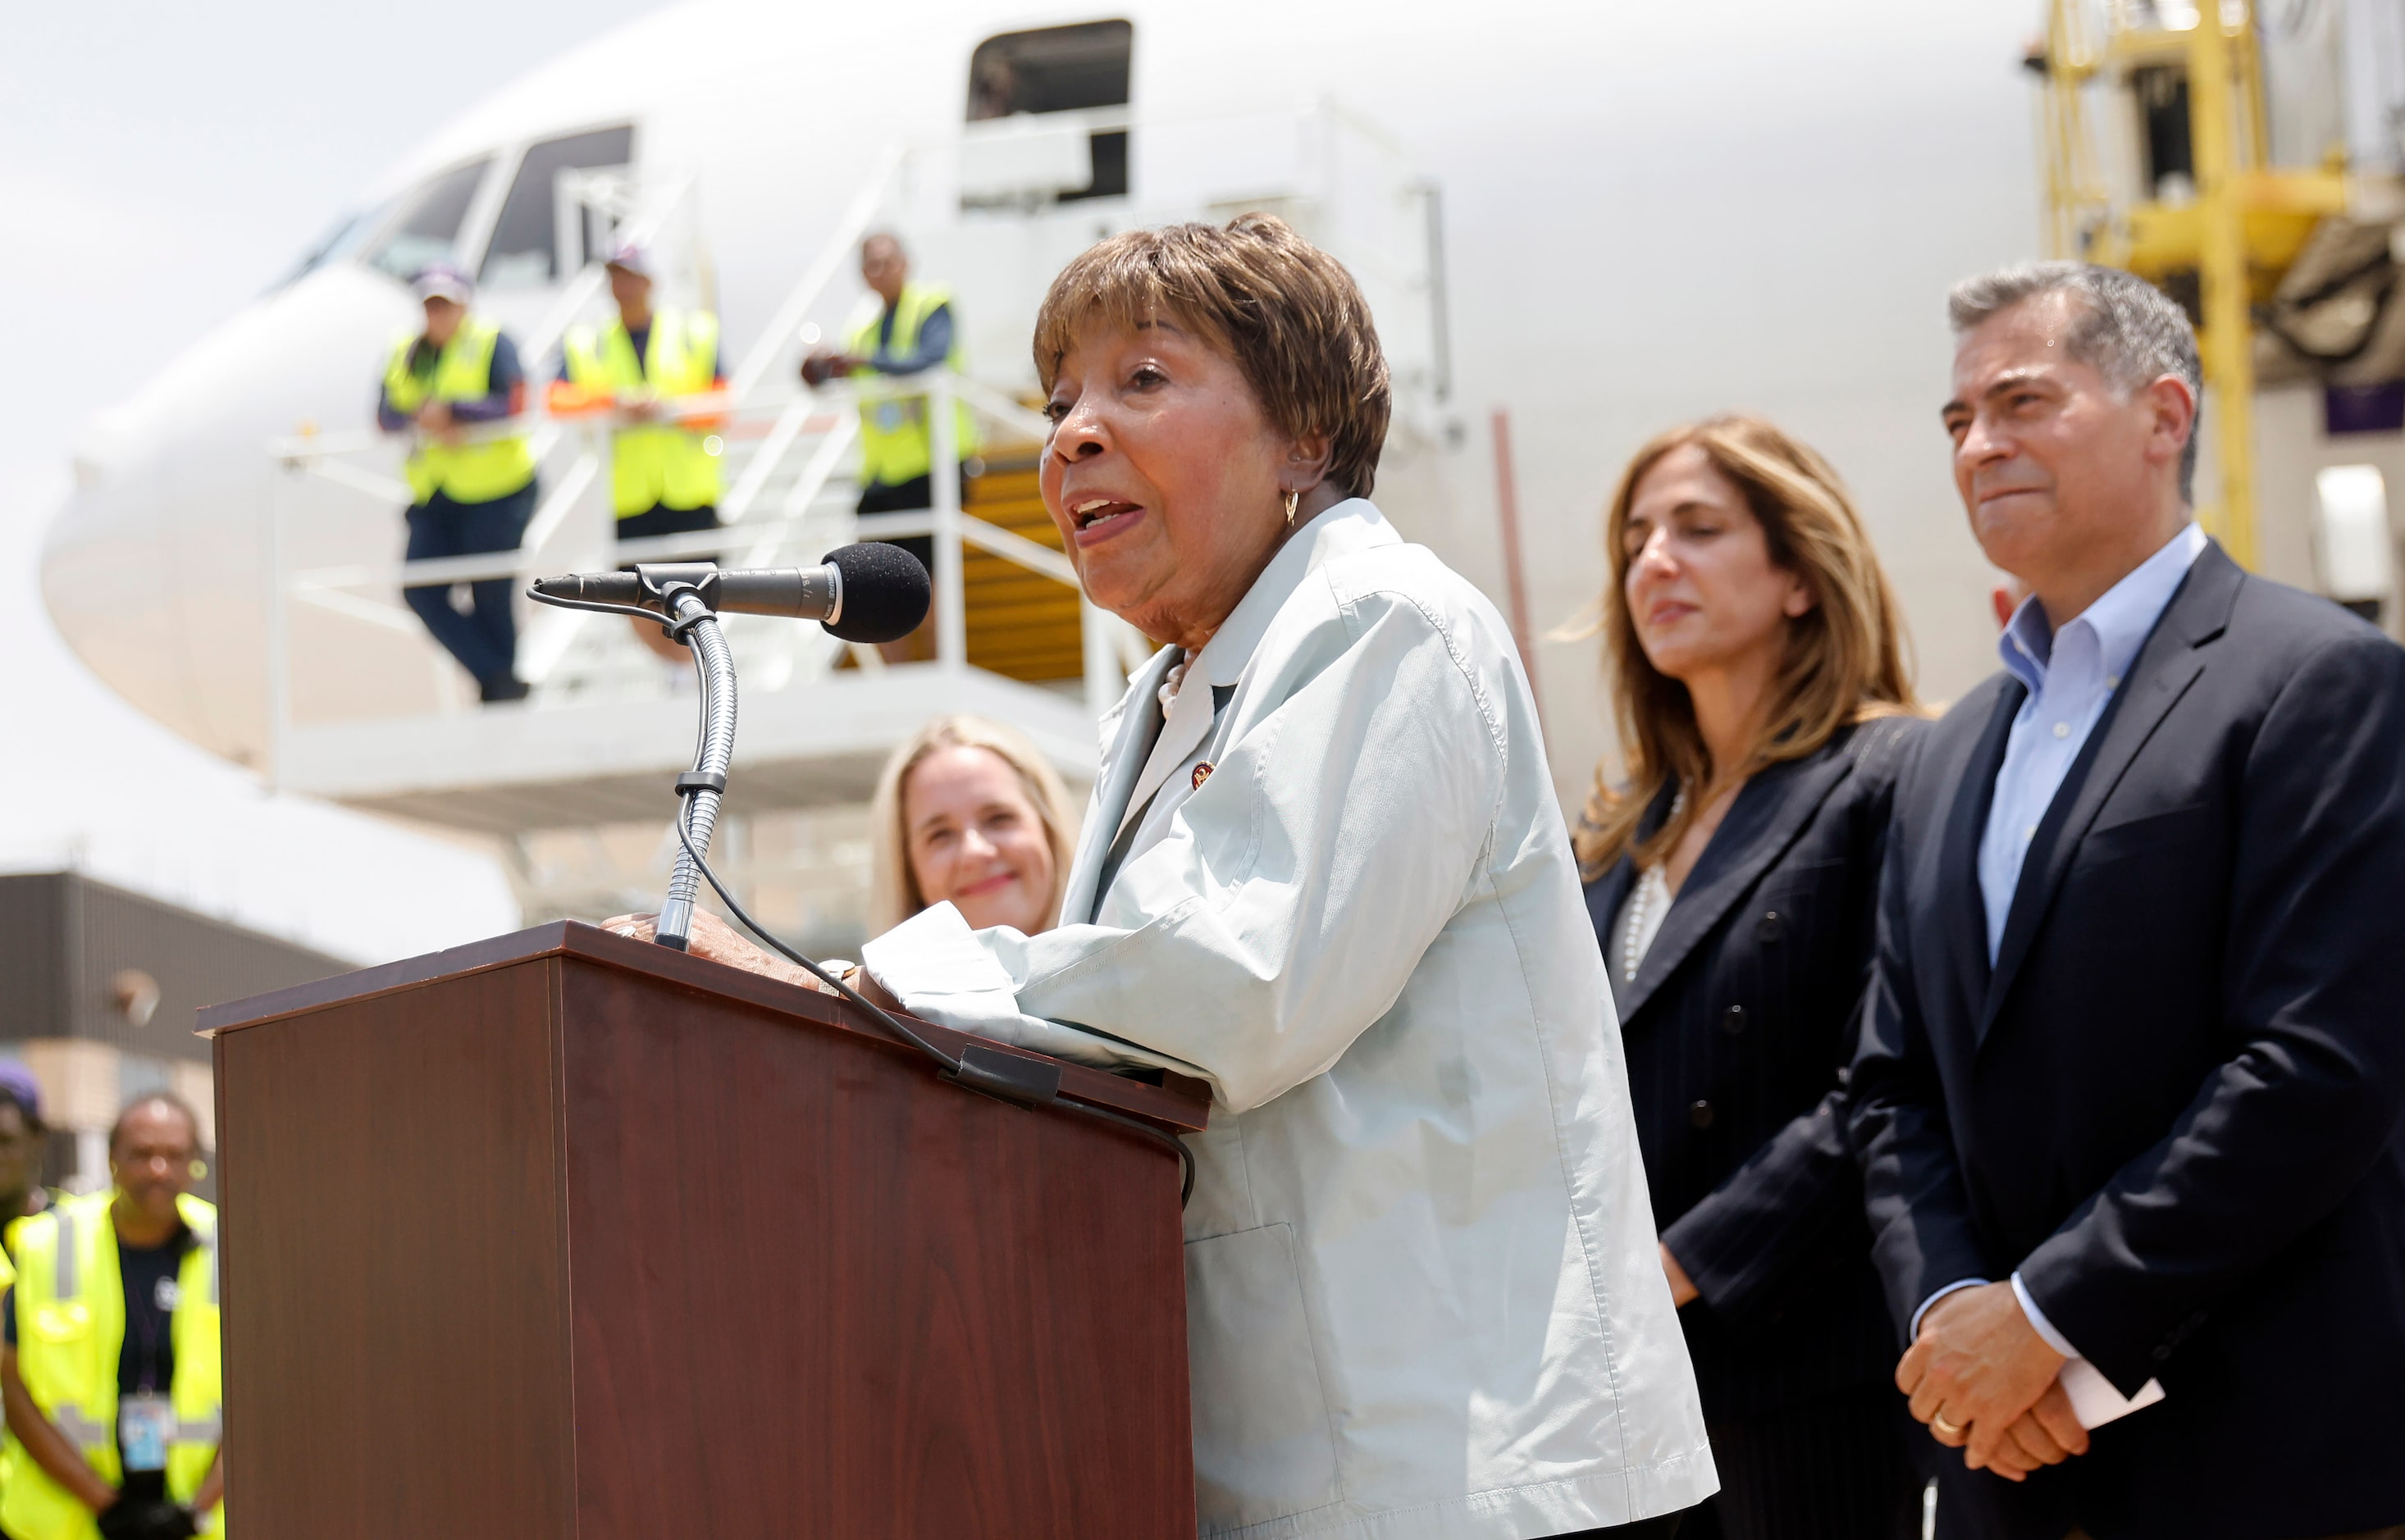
point(441, 280)
point(633, 259)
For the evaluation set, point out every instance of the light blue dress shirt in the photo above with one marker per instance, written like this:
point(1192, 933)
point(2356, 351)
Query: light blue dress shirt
point(2071, 675)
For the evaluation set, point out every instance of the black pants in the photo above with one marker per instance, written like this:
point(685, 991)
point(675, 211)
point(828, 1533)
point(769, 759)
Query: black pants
point(484, 637)
point(1845, 1467)
point(907, 497)
point(660, 518)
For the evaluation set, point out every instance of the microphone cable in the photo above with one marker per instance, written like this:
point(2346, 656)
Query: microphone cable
point(1002, 1076)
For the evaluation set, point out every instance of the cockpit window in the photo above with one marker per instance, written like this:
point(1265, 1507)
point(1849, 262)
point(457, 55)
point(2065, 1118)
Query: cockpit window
point(429, 224)
point(344, 237)
point(525, 248)
point(1060, 69)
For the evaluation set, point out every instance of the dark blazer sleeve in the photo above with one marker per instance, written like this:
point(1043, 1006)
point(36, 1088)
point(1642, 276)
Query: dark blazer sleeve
point(1745, 1240)
point(2314, 984)
point(1922, 1236)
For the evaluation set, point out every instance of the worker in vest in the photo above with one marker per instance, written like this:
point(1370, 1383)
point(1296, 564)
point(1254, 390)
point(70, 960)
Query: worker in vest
point(111, 1376)
point(471, 492)
point(664, 471)
point(902, 329)
point(23, 1136)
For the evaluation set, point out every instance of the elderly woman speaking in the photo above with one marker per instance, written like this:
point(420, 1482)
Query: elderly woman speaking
point(1325, 871)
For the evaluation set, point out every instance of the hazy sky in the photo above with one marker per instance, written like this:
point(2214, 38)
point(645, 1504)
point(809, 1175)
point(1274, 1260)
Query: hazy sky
point(160, 166)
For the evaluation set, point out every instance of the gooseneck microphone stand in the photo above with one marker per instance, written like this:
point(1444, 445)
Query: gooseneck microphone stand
point(685, 612)
point(700, 788)
point(669, 594)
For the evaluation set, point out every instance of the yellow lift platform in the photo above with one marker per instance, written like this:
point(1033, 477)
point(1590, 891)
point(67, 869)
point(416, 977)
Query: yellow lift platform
point(2213, 221)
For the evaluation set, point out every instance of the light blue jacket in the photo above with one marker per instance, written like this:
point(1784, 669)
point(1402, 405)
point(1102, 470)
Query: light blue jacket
point(1423, 1294)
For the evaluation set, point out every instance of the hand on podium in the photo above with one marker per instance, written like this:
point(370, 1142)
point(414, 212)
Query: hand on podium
point(713, 938)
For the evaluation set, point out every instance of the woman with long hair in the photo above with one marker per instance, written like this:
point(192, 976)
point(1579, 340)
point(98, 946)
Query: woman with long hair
point(967, 813)
point(1764, 706)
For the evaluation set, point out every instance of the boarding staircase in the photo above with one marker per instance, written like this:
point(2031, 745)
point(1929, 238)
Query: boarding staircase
point(1020, 625)
point(575, 780)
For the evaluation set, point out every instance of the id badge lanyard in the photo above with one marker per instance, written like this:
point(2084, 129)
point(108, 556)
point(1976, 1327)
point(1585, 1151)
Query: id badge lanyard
point(145, 1419)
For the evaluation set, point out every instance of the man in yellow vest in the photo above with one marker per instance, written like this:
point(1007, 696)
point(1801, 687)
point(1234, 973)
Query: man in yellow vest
point(664, 474)
point(902, 329)
point(473, 491)
point(111, 1375)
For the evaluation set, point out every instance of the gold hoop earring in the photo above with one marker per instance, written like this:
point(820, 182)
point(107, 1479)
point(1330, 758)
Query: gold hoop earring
point(1291, 500)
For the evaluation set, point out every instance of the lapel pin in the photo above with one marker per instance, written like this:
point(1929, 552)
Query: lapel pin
point(1202, 774)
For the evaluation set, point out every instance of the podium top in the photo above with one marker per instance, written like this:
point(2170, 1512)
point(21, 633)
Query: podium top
point(1176, 1105)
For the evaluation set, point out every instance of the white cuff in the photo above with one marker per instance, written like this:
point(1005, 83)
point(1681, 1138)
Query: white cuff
point(1955, 1287)
point(2093, 1399)
point(2038, 1322)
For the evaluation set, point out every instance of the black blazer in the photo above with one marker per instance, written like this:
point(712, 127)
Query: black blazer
point(1738, 1028)
point(2173, 1104)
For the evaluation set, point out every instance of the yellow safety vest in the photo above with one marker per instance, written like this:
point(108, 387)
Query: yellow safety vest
point(895, 443)
point(70, 1329)
point(654, 465)
point(471, 472)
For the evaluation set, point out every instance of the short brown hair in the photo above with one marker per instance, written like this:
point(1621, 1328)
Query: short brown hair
point(1287, 311)
point(1845, 659)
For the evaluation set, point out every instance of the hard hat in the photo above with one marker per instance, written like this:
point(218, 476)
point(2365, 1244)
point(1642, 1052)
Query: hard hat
point(19, 1082)
point(633, 259)
point(441, 280)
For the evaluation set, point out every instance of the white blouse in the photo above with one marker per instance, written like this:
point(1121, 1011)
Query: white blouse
point(1423, 1299)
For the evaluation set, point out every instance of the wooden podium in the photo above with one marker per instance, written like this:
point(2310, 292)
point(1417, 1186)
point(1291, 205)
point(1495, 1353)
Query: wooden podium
point(569, 1236)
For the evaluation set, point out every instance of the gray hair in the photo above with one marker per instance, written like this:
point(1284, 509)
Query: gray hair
point(2124, 328)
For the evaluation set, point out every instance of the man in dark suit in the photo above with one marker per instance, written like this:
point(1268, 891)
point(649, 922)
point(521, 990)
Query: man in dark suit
point(2131, 1063)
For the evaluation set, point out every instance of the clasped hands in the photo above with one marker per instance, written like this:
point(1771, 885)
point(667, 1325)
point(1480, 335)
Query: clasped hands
point(1985, 1382)
point(435, 420)
point(827, 364)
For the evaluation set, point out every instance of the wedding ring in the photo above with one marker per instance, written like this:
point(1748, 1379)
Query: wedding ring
point(1937, 1423)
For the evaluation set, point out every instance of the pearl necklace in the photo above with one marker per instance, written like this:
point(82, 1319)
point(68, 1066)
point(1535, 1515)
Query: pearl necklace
point(1653, 888)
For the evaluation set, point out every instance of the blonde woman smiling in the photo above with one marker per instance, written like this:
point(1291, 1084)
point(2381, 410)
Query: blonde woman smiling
point(967, 813)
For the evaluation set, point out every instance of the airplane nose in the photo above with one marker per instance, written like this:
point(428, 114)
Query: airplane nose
point(153, 567)
point(127, 541)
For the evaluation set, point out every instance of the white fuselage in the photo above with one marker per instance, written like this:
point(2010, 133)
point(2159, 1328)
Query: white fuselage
point(1648, 217)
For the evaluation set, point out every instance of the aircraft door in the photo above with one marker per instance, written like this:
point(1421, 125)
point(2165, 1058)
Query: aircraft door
point(525, 251)
point(1080, 69)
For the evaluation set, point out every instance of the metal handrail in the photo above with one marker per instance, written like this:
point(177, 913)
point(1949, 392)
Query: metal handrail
point(765, 460)
point(694, 546)
point(301, 451)
point(528, 559)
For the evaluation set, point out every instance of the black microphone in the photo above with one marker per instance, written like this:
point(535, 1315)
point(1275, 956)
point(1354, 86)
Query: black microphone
point(867, 593)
